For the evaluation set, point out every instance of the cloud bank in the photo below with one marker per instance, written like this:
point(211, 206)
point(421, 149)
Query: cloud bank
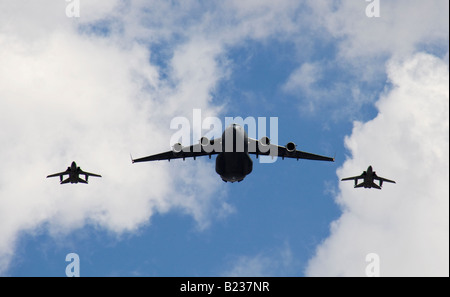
point(406, 224)
point(78, 95)
point(93, 89)
point(276, 262)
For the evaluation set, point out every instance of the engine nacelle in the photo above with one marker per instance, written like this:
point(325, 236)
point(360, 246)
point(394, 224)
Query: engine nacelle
point(204, 141)
point(264, 141)
point(291, 148)
point(264, 144)
point(177, 148)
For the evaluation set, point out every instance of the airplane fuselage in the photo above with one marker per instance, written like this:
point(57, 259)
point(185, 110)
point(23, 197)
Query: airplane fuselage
point(234, 163)
point(368, 178)
point(74, 173)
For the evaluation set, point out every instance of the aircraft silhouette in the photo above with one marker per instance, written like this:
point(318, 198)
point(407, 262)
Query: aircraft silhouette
point(74, 175)
point(233, 162)
point(368, 179)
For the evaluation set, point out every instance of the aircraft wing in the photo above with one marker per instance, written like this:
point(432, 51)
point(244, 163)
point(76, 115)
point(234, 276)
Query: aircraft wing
point(192, 151)
point(58, 174)
point(89, 174)
point(283, 152)
point(384, 179)
point(353, 177)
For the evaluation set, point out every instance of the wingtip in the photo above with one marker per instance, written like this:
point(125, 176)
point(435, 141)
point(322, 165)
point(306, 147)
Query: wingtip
point(132, 160)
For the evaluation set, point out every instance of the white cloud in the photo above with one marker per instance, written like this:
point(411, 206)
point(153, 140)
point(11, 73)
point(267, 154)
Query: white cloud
point(68, 96)
point(406, 224)
point(363, 46)
point(317, 90)
point(402, 26)
point(84, 89)
point(303, 77)
point(275, 262)
point(303, 82)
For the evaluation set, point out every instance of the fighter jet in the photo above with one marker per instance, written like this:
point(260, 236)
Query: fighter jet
point(368, 176)
point(233, 149)
point(74, 173)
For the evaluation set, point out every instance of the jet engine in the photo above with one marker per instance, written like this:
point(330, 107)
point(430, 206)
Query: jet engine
point(177, 148)
point(264, 144)
point(204, 141)
point(291, 148)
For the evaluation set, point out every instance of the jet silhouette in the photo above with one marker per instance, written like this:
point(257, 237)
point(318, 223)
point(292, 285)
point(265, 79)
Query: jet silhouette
point(233, 162)
point(74, 175)
point(368, 179)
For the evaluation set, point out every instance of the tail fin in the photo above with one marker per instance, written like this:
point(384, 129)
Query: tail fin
point(374, 185)
point(360, 185)
point(80, 180)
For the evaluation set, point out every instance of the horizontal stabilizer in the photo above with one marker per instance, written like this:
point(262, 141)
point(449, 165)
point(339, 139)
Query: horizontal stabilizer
point(66, 181)
point(359, 185)
point(374, 185)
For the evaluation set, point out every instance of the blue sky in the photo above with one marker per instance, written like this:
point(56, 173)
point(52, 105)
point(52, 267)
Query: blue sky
point(108, 83)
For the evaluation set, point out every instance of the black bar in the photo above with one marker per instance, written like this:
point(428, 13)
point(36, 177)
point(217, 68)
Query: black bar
point(226, 286)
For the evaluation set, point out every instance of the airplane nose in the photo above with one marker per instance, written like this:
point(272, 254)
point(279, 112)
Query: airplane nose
point(236, 126)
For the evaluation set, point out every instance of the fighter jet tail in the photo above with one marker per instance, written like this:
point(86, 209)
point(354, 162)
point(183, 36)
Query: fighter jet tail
point(80, 180)
point(374, 185)
point(66, 181)
point(359, 185)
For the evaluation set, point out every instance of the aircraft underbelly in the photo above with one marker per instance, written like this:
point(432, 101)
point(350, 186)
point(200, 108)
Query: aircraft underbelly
point(233, 166)
point(73, 178)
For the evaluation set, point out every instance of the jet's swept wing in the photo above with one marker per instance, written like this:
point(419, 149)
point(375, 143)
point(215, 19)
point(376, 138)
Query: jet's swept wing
point(288, 151)
point(180, 152)
point(353, 177)
point(356, 178)
point(88, 173)
point(58, 174)
point(382, 179)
